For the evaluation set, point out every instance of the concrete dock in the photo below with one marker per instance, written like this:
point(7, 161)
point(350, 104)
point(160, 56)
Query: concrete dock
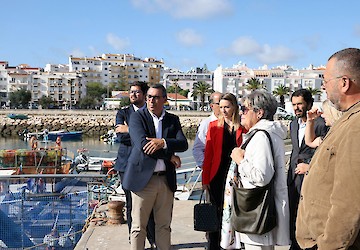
point(100, 235)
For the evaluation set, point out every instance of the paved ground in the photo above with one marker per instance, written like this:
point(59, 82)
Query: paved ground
point(116, 236)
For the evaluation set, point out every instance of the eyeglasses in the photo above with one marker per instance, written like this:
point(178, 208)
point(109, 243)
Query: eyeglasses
point(326, 82)
point(244, 109)
point(156, 97)
point(136, 92)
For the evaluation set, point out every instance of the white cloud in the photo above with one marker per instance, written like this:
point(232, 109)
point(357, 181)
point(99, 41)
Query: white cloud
point(244, 46)
point(117, 42)
point(77, 53)
point(199, 9)
point(189, 37)
point(278, 54)
point(265, 54)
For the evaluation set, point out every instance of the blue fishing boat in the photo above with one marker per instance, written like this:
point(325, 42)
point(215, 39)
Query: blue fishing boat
point(65, 135)
point(18, 116)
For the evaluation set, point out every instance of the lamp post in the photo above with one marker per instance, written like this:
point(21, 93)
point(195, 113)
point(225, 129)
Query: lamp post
point(175, 82)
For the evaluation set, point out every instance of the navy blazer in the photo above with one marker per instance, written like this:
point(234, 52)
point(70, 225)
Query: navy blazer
point(141, 166)
point(304, 152)
point(122, 117)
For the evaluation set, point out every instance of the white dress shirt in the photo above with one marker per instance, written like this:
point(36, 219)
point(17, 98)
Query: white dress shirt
point(160, 164)
point(200, 140)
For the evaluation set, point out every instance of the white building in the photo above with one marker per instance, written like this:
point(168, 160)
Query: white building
point(187, 80)
point(113, 68)
point(64, 87)
point(235, 79)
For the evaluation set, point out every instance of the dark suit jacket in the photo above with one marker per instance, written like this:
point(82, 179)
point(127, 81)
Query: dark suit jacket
point(303, 152)
point(141, 166)
point(122, 116)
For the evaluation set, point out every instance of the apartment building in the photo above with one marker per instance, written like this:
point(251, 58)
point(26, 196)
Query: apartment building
point(55, 81)
point(236, 78)
point(114, 68)
point(65, 88)
point(187, 80)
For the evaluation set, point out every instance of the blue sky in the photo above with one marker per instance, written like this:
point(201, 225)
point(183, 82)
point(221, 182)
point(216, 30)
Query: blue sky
point(184, 33)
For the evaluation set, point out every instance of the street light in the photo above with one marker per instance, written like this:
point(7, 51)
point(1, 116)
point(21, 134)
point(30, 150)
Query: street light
point(175, 82)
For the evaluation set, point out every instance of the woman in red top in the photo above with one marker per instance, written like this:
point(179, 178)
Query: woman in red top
point(223, 135)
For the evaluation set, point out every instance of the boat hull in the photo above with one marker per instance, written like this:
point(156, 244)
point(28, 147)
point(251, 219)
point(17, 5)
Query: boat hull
point(65, 136)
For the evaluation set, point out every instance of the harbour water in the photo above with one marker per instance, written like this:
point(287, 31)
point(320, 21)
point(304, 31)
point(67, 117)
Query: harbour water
point(95, 146)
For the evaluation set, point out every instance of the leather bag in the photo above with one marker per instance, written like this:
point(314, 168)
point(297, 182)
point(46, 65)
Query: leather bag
point(253, 210)
point(205, 216)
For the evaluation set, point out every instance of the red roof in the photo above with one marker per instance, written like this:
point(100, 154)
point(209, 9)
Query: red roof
point(178, 96)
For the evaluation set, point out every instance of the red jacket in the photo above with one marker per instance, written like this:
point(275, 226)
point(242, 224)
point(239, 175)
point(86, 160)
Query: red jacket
point(213, 150)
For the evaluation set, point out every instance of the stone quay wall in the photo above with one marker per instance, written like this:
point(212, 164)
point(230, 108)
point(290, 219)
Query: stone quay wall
point(91, 122)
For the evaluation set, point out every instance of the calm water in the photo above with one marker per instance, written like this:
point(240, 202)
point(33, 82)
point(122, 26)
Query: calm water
point(94, 145)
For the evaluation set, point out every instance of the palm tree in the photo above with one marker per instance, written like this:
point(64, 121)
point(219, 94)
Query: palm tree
point(202, 88)
point(254, 84)
point(315, 91)
point(281, 91)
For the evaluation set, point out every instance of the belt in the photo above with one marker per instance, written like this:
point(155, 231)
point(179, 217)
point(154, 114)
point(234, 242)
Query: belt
point(159, 173)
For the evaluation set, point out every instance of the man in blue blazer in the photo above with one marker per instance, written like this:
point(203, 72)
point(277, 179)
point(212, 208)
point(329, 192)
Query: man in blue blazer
point(150, 173)
point(137, 101)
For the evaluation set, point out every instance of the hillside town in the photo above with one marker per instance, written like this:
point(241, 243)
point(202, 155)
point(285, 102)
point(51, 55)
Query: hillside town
point(66, 84)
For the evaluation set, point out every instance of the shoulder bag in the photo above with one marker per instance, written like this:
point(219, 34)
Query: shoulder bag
point(205, 216)
point(253, 210)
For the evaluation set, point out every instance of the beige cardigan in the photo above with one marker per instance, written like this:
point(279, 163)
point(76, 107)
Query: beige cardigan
point(329, 207)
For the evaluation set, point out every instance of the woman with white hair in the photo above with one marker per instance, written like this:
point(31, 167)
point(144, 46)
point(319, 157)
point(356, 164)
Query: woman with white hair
point(255, 167)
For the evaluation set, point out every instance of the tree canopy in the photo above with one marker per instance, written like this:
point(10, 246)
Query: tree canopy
point(96, 90)
point(46, 101)
point(281, 91)
point(314, 91)
point(254, 84)
point(20, 98)
point(202, 89)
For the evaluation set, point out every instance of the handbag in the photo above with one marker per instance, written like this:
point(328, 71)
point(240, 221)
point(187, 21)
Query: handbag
point(253, 210)
point(205, 216)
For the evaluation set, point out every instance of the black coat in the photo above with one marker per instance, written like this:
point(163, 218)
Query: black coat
point(122, 117)
point(304, 152)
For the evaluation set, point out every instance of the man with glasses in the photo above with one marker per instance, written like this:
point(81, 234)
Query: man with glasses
point(150, 173)
point(329, 208)
point(302, 102)
point(137, 101)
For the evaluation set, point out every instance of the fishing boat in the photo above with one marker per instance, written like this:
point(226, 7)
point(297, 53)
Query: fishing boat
point(65, 135)
point(35, 214)
point(34, 192)
point(52, 135)
point(18, 116)
point(43, 160)
point(84, 162)
point(110, 137)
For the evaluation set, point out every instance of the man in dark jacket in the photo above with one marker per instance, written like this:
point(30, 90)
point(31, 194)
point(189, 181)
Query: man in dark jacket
point(150, 174)
point(137, 95)
point(302, 101)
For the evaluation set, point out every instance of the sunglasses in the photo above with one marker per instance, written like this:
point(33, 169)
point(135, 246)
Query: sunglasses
point(244, 109)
